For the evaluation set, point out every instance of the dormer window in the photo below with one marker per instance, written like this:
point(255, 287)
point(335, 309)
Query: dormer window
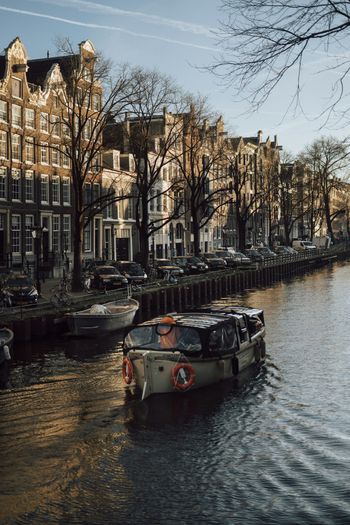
point(16, 87)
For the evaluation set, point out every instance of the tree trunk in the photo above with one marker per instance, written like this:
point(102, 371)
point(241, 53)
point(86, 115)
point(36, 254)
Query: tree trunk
point(77, 253)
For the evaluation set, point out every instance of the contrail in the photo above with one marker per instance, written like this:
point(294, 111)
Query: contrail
point(83, 5)
point(100, 26)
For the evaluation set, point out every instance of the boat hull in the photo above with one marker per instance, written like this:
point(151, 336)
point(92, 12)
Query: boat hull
point(153, 372)
point(86, 324)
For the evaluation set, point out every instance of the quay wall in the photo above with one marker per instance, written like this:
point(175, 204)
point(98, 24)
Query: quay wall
point(190, 292)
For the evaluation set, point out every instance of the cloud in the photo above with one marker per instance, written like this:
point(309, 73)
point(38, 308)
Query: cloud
point(106, 27)
point(83, 5)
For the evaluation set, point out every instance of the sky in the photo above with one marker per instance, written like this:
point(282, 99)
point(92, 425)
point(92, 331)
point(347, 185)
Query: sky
point(177, 37)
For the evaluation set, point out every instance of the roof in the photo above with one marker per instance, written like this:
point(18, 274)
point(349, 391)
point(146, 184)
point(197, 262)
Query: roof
point(38, 68)
point(198, 320)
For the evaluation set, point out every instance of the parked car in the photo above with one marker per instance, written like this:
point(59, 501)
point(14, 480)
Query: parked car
point(107, 277)
point(214, 262)
point(19, 290)
point(190, 264)
point(253, 255)
point(227, 256)
point(285, 250)
point(266, 252)
point(241, 259)
point(303, 245)
point(133, 271)
point(165, 267)
point(91, 264)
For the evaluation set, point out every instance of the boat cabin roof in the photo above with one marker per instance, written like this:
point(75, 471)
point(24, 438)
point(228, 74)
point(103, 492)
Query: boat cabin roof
point(197, 320)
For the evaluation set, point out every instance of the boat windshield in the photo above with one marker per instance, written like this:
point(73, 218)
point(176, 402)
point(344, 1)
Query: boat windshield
point(162, 337)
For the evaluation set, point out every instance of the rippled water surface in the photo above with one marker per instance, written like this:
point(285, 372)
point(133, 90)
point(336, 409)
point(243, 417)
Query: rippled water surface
point(77, 447)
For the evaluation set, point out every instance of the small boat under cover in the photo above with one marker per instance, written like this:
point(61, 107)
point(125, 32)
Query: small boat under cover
point(101, 318)
point(185, 351)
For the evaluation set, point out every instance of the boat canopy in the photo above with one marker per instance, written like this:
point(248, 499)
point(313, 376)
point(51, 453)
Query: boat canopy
point(190, 334)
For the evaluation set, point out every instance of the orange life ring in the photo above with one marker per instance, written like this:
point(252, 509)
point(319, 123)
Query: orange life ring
point(184, 380)
point(127, 370)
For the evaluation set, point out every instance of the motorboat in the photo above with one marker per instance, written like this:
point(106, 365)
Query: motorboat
point(101, 318)
point(180, 352)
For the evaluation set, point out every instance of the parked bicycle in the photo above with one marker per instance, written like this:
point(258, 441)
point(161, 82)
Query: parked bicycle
point(60, 296)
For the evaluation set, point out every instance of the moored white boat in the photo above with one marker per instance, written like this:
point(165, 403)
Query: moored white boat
point(101, 318)
point(186, 351)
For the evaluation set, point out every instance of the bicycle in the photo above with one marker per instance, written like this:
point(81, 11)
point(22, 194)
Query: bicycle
point(60, 296)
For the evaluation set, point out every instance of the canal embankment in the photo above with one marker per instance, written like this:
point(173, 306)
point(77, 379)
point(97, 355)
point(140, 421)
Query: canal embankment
point(159, 297)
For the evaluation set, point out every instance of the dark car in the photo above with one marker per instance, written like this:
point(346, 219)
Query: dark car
point(91, 264)
point(19, 290)
point(165, 267)
point(107, 278)
point(254, 255)
point(241, 259)
point(133, 271)
point(266, 252)
point(285, 250)
point(227, 256)
point(190, 264)
point(214, 262)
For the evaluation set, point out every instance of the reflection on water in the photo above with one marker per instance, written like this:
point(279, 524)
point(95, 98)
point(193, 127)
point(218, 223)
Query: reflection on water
point(77, 446)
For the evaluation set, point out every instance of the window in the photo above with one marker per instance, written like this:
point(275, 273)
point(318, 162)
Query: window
point(3, 110)
point(44, 153)
point(29, 186)
point(28, 238)
point(16, 115)
point(16, 184)
point(16, 147)
point(66, 130)
point(66, 233)
point(16, 87)
point(30, 118)
point(55, 189)
point(96, 102)
point(3, 144)
point(56, 234)
point(55, 119)
point(66, 190)
point(87, 238)
point(16, 234)
point(96, 192)
point(65, 160)
point(3, 183)
point(29, 144)
point(44, 122)
point(55, 155)
point(44, 189)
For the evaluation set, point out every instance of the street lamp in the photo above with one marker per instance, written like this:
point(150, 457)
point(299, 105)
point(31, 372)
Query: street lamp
point(37, 233)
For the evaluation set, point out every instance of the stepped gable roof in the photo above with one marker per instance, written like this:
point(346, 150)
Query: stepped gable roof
point(2, 66)
point(38, 68)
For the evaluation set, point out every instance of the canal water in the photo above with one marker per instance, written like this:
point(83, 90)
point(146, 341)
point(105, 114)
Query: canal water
point(78, 447)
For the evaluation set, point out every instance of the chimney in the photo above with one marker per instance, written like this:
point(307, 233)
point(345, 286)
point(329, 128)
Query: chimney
point(48, 54)
point(259, 134)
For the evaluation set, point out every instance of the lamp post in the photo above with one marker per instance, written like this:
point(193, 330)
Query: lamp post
point(37, 233)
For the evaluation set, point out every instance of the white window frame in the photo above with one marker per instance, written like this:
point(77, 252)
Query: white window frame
point(16, 234)
point(56, 222)
point(44, 153)
point(30, 121)
point(30, 150)
point(55, 155)
point(67, 232)
point(16, 147)
point(44, 189)
point(16, 184)
point(66, 193)
point(3, 144)
point(3, 184)
point(16, 117)
point(44, 122)
point(55, 189)
point(28, 237)
point(29, 186)
point(3, 111)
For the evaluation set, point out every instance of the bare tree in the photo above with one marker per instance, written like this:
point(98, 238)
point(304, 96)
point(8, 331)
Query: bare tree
point(203, 168)
point(263, 39)
point(328, 158)
point(86, 99)
point(153, 135)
